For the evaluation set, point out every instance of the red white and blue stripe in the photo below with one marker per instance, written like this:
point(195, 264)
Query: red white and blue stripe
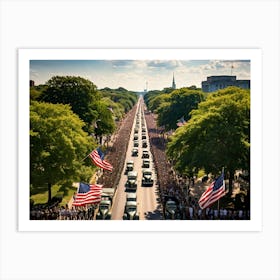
point(98, 159)
point(88, 194)
point(213, 193)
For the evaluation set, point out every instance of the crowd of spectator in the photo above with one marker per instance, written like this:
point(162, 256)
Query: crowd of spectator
point(63, 213)
point(172, 185)
point(116, 153)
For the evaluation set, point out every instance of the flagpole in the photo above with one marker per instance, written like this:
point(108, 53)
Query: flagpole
point(86, 156)
point(223, 169)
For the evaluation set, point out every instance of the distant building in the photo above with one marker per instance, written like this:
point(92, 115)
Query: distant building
point(31, 83)
point(173, 83)
point(214, 83)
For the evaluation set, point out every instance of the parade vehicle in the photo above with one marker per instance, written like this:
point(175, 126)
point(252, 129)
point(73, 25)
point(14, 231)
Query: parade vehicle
point(145, 154)
point(135, 143)
point(147, 179)
point(143, 129)
point(131, 196)
point(146, 163)
point(134, 152)
point(144, 136)
point(144, 144)
point(136, 130)
point(130, 211)
point(105, 205)
point(129, 166)
point(131, 183)
point(171, 208)
point(135, 137)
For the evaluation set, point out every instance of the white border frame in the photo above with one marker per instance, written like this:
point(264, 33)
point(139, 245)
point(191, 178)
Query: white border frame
point(24, 57)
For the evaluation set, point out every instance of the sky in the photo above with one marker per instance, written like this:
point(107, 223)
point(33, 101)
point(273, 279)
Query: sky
point(136, 75)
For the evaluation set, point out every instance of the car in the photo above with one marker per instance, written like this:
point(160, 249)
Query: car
point(134, 152)
point(144, 144)
point(130, 211)
point(147, 179)
point(131, 183)
point(146, 163)
point(144, 137)
point(135, 137)
point(131, 196)
point(145, 154)
point(135, 143)
point(129, 166)
point(143, 129)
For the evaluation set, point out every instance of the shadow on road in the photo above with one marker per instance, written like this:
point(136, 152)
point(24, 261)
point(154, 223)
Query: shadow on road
point(155, 215)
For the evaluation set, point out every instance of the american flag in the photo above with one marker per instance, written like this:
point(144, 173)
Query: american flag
point(98, 159)
point(87, 194)
point(213, 193)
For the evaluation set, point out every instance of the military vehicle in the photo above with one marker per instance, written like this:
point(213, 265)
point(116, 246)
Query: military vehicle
point(131, 197)
point(145, 154)
point(144, 137)
point(135, 143)
point(134, 152)
point(131, 183)
point(144, 144)
point(129, 166)
point(147, 179)
point(135, 137)
point(146, 163)
point(105, 205)
point(171, 209)
point(130, 211)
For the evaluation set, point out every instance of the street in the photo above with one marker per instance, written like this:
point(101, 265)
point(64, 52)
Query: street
point(148, 207)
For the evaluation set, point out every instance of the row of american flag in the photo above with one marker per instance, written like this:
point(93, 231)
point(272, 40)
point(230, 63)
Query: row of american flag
point(91, 194)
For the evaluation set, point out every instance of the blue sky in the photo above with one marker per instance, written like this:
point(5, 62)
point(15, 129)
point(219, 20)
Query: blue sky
point(133, 74)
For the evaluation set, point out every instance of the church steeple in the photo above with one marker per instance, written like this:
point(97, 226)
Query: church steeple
point(173, 82)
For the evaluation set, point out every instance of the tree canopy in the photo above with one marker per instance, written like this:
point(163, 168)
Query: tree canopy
point(173, 105)
point(81, 94)
point(217, 135)
point(57, 145)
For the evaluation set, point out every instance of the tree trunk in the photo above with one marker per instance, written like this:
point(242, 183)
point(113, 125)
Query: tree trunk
point(49, 192)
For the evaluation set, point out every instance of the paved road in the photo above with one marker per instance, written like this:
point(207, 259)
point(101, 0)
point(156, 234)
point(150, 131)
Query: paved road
point(147, 197)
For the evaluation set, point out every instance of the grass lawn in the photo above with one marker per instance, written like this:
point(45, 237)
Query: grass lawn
point(41, 194)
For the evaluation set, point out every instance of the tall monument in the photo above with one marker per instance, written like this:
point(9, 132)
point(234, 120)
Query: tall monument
point(173, 82)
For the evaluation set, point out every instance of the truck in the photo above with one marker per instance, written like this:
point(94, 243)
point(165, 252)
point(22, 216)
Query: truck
point(130, 211)
point(105, 205)
point(171, 209)
point(131, 183)
point(147, 179)
point(129, 166)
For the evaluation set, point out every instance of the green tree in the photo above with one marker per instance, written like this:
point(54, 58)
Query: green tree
point(105, 124)
point(57, 145)
point(158, 101)
point(181, 103)
point(216, 136)
point(81, 94)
